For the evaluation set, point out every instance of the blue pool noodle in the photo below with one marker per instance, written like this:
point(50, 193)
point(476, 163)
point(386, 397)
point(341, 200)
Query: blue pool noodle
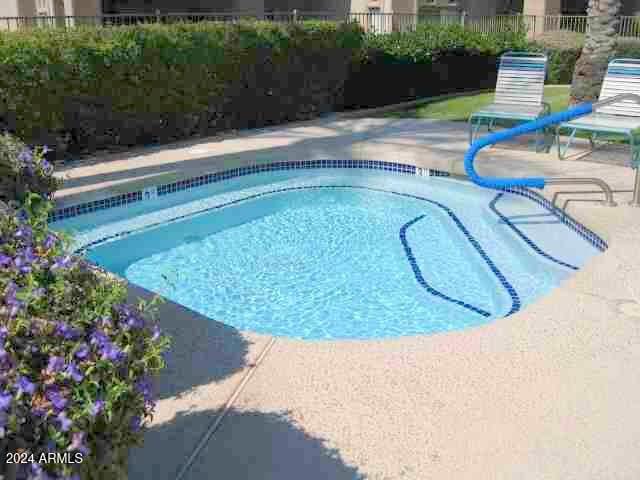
point(532, 182)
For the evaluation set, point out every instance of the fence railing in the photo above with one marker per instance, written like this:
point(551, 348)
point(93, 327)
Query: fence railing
point(629, 26)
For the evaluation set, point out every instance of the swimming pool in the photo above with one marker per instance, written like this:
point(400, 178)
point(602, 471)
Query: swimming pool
point(354, 252)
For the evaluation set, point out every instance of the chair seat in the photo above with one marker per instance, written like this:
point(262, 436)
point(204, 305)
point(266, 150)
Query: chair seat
point(512, 111)
point(602, 122)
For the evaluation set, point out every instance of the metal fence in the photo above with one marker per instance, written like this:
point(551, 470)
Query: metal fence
point(371, 21)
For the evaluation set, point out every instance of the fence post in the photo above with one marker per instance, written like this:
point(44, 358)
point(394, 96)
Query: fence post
point(157, 15)
point(463, 17)
point(295, 15)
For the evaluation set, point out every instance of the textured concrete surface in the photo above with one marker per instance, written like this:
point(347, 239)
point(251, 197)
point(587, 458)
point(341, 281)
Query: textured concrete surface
point(206, 363)
point(549, 393)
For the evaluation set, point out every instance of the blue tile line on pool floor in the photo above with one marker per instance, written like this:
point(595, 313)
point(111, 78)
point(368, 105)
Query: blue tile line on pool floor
point(391, 167)
point(515, 300)
point(418, 273)
point(527, 240)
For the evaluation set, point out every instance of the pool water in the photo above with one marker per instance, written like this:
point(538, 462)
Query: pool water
point(337, 254)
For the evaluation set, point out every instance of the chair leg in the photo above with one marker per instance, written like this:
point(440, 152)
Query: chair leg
point(473, 129)
point(470, 129)
point(562, 151)
point(635, 202)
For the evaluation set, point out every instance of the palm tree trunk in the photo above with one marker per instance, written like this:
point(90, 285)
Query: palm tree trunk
point(599, 47)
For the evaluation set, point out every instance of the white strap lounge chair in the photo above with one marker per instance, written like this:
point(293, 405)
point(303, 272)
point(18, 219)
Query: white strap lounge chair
point(623, 76)
point(519, 92)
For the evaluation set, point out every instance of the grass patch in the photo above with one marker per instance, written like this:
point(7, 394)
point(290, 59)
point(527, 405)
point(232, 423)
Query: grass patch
point(459, 109)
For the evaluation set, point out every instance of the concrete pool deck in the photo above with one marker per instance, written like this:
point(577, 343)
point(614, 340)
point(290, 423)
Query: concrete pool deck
point(548, 393)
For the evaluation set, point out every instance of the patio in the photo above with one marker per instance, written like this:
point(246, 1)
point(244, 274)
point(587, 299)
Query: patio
point(547, 393)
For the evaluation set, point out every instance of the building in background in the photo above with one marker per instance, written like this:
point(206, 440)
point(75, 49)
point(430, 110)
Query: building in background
point(473, 8)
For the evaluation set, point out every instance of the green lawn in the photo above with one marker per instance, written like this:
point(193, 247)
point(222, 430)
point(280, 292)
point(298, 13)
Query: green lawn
point(459, 109)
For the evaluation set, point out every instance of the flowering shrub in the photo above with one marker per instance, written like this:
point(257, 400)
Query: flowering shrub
point(23, 169)
point(75, 361)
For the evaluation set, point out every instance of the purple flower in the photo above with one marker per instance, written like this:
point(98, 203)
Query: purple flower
point(24, 232)
point(77, 443)
point(156, 332)
point(37, 473)
point(144, 387)
point(46, 149)
point(25, 156)
point(56, 364)
point(74, 372)
point(65, 422)
point(24, 385)
point(82, 351)
point(135, 423)
point(4, 332)
point(97, 407)
point(99, 338)
point(61, 263)
point(49, 241)
point(58, 400)
point(108, 351)
point(5, 401)
point(134, 322)
point(66, 331)
point(4, 260)
point(111, 352)
point(23, 264)
point(10, 298)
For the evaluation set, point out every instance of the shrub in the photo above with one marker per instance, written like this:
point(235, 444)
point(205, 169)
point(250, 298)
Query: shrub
point(75, 361)
point(564, 48)
point(432, 60)
point(87, 88)
point(24, 170)
point(429, 41)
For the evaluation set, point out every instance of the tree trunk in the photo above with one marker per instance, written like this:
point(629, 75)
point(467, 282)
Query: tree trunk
point(599, 47)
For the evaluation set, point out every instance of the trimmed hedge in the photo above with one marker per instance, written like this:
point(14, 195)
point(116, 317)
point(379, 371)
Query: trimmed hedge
point(564, 48)
point(87, 88)
point(432, 60)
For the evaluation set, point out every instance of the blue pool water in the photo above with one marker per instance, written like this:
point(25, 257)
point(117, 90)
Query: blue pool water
point(326, 254)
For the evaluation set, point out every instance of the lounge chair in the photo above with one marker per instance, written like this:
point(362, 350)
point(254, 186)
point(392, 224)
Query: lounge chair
point(623, 76)
point(519, 92)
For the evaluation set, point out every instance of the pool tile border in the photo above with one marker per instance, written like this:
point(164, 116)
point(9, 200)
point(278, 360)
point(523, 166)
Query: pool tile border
point(148, 193)
point(493, 206)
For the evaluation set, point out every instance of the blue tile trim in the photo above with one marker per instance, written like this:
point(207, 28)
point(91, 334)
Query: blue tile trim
point(392, 167)
point(527, 240)
point(206, 179)
point(587, 234)
point(515, 301)
point(418, 273)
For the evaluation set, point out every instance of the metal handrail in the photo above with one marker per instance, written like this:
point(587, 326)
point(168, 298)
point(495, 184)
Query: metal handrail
point(540, 182)
point(606, 189)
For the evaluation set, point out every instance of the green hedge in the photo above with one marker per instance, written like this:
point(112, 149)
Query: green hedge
point(429, 41)
point(83, 89)
point(563, 49)
point(87, 88)
point(432, 60)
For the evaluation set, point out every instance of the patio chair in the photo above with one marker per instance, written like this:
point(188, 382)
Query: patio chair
point(519, 92)
point(623, 76)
